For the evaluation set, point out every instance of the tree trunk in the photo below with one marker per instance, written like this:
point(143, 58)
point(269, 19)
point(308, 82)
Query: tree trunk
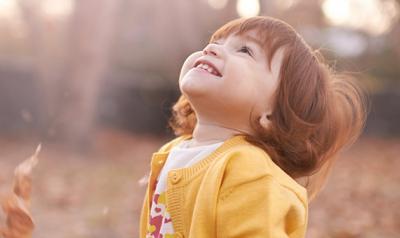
point(91, 34)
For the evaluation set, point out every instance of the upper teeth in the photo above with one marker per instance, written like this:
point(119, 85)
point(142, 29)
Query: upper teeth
point(208, 68)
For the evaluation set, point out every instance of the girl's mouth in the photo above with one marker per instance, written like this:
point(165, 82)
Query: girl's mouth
point(207, 66)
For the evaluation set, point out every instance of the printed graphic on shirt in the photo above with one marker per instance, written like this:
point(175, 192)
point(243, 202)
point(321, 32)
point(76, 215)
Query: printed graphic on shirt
point(160, 224)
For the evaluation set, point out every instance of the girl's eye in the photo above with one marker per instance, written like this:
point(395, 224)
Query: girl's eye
point(246, 50)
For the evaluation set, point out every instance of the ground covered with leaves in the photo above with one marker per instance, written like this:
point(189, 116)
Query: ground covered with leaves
point(98, 194)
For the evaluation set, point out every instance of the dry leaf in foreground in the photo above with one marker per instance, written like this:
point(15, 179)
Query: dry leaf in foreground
point(19, 222)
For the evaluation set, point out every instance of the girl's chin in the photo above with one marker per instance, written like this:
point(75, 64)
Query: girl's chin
point(191, 91)
point(199, 84)
point(192, 88)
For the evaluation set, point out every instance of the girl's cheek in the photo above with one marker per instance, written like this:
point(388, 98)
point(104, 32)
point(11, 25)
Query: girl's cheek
point(189, 62)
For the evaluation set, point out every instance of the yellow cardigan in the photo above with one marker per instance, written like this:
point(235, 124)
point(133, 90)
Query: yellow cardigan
point(236, 191)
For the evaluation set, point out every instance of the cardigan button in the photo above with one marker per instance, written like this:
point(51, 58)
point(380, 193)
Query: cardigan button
point(176, 177)
point(179, 235)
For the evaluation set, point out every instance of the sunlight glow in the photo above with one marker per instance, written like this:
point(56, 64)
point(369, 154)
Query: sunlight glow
point(217, 4)
point(338, 11)
point(285, 4)
point(8, 8)
point(57, 7)
point(11, 21)
point(373, 16)
point(248, 8)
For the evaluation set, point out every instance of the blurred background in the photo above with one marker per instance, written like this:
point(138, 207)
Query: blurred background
point(94, 80)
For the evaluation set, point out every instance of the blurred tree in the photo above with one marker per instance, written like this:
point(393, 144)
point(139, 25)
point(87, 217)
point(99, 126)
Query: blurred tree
point(394, 34)
point(68, 69)
point(91, 33)
point(46, 62)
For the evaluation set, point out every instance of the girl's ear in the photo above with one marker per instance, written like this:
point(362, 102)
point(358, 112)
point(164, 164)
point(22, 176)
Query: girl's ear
point(265, 120)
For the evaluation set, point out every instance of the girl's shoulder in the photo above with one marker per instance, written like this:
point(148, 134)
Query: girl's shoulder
point(248, 162)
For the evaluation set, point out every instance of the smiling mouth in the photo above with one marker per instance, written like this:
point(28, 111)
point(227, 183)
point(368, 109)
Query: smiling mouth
point(207, 66)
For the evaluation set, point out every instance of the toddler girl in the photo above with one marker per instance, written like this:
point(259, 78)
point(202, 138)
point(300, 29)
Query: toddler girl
point(259, 112)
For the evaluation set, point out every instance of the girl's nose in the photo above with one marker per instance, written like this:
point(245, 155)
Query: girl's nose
point(212, 49)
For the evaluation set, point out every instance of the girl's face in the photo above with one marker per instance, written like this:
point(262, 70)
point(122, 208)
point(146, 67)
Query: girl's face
point(229, 79)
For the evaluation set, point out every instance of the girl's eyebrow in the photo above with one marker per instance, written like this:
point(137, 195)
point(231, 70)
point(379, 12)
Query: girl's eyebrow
point(252, 39)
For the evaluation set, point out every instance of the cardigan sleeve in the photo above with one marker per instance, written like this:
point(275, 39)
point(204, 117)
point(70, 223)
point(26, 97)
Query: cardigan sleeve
point(260, 207)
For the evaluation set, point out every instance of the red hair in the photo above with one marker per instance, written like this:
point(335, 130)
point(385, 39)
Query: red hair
point(316, 111)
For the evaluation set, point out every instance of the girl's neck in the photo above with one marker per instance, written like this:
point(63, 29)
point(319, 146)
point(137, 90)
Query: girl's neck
point(208, 133)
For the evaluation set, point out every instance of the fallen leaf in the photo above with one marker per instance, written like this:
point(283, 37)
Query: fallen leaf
point(19, 222)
